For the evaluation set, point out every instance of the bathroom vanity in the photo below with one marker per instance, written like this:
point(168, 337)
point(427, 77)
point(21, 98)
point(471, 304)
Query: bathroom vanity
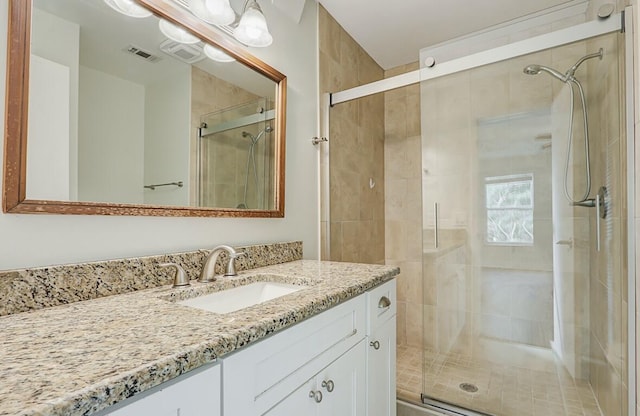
point(328, 348)
point(340, 362)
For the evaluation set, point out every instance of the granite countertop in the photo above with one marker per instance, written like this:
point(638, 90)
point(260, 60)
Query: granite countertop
point(79, 358)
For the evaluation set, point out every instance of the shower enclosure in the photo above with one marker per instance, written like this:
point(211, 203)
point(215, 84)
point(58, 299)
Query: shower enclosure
point(525, 307)
point(236, 157)
point(519, 303)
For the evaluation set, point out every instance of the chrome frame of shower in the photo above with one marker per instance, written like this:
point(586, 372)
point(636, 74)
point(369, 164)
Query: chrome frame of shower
point(630, 115)
point(619, 22)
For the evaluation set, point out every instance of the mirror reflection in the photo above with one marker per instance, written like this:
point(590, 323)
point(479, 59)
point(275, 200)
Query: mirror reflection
point(121, 112)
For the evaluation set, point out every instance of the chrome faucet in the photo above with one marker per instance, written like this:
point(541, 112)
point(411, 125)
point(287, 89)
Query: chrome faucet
point(208, 270)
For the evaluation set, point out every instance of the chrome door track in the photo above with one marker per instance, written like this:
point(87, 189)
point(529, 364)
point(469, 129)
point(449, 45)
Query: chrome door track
point(448, 408)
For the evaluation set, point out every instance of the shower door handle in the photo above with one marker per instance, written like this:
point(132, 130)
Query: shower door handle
point(435, 224)
point(598, 201)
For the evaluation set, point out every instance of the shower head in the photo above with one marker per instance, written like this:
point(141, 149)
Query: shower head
point(566, 77)
point(536, 69)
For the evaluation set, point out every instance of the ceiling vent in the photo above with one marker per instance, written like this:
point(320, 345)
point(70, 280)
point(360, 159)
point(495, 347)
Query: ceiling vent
point(186, 53)
point(141, 53)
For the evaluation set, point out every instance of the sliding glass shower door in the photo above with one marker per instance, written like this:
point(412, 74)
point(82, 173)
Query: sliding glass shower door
point(524, 291)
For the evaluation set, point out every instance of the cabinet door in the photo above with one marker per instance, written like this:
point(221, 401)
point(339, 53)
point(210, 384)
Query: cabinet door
point(346, 378)
point(193, 394)
point(381, 370)
point(298, 403)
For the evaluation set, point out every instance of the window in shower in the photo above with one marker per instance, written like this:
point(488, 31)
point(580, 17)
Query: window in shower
point(509, 205)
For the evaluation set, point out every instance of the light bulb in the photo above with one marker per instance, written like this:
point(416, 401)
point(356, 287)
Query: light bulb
point(216, 54)
point(217, 12)
point(214, 6)
point(252, 29)
point(176, 33)
point(129, 8)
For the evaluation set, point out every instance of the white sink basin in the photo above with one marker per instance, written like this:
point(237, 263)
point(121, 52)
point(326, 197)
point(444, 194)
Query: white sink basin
point(240, 297)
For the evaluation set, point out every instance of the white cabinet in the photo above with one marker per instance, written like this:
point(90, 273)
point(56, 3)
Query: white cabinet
point(340, 362)
point(344, 385)
point(196, 393)
point(338, 390)
point(381, 350)
point(260, 376)
point(381, 370)
point(297, 403)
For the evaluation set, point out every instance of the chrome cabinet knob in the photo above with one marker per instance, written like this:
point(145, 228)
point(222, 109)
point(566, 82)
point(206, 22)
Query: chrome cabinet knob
point(384, 303)
point(329, 385)
point(316, 395)
point(375, 345)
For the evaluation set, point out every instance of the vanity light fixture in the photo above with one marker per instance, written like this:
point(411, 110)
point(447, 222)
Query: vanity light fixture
point(216, 54)
point(129, 8)
point(252, 29)
point(217, 12)
point(176, 33)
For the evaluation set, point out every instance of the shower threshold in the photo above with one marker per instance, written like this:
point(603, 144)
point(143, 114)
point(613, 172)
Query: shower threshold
point(448, 409)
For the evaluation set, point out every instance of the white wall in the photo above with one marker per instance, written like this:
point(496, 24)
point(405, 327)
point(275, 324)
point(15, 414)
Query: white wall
point(111, 138)
point(58, 40)
point(166, 139)
point(48, 130)
point(37, 240)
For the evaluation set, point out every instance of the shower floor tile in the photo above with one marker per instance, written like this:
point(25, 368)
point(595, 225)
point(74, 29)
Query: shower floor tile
point(541, 388)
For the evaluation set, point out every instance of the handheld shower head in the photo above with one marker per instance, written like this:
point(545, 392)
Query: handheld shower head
point(536, 69)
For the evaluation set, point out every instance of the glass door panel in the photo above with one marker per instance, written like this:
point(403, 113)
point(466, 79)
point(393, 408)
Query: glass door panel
point(522, 313)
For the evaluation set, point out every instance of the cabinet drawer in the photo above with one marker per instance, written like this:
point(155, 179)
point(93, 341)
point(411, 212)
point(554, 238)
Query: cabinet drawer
point(259, 376)
point(377, 300)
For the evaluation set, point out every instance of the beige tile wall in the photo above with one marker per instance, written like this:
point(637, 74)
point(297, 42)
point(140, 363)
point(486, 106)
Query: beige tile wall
point(356, 150)
point(403, 204)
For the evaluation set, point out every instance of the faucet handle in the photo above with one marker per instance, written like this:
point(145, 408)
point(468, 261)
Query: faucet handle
point(231, 266)
point(181, 278)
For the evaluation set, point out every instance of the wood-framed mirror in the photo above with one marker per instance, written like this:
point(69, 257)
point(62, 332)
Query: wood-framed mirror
point(130, 122)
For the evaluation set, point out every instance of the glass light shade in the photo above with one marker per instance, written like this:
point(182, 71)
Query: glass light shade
point(252, 29)
point(217, 12)
point(176, 33)
point(216, 54)
point(129, 8)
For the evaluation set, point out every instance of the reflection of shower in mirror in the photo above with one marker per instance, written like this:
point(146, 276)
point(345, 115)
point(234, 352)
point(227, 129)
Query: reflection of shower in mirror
point(236, 156)
point(251, 163)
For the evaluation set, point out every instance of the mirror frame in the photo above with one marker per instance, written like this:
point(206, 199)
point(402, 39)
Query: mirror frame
point(16, 121)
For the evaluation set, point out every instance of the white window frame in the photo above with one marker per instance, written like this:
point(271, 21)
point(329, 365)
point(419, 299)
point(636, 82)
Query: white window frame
point(493, 180)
